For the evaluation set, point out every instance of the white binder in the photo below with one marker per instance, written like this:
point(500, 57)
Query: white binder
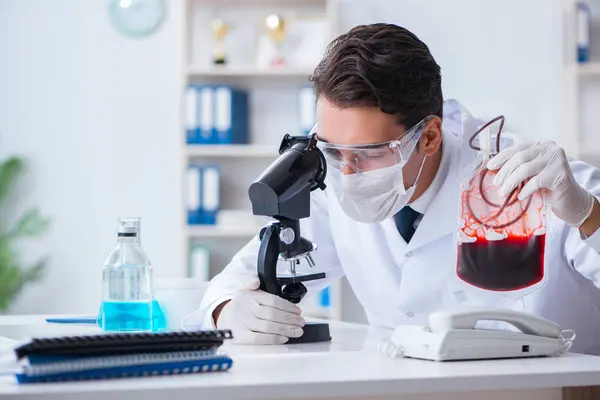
point(191, 118)
point(194, 206)
point(210, 193)
point(205, 113)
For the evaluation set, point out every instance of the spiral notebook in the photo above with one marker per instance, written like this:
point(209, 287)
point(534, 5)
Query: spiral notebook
point(128, 355)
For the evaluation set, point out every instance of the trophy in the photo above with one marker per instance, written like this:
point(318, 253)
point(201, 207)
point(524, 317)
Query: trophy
point(276, 29)
point(220, 29)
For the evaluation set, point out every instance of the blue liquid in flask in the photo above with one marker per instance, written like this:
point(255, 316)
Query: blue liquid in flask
point(127, 315)
point(132, 319)
point(128, 302)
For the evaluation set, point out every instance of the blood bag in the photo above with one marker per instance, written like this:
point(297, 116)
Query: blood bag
point(500, 240)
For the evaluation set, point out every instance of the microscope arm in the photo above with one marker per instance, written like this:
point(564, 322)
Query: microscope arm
point(271, 249)
point(267, 260)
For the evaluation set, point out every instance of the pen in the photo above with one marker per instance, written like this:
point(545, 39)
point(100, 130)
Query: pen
point(73, 320)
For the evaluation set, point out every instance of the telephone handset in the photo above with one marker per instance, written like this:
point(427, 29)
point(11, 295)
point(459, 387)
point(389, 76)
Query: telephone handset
point(467, 319)
point(453, 335)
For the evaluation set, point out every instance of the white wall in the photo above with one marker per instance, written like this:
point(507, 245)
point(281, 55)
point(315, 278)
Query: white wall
point(589, 98)
point(98, 115)
point(497, 57)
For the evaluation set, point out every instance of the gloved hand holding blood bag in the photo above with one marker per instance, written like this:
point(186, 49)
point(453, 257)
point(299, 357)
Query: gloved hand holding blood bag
point(501, 240)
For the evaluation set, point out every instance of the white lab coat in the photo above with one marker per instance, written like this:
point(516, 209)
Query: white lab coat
point(399, 283)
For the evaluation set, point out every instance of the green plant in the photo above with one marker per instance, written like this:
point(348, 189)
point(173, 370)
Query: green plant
point(13, 274)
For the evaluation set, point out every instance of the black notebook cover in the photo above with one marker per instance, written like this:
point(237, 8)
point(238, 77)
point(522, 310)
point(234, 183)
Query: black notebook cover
point(123, 343)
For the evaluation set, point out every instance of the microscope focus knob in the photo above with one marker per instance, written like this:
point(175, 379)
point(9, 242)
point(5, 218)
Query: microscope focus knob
point(287, 235)
point(294, 292)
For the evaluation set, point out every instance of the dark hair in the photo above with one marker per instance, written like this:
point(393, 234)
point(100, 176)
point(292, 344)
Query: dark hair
point(381, 65)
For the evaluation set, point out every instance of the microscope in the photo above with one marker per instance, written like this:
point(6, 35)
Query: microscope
point(282, 192)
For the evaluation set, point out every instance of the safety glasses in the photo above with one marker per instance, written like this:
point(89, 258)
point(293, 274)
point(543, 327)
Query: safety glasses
point(354, 159)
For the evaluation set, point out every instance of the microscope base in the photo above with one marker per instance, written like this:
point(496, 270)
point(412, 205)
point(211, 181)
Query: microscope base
point(313, 333)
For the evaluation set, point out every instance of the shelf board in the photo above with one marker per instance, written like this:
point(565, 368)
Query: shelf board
point(591, 68)
point(250, 71)
point(589, 151)
point(216, 231)
point(288, 3)
point(233, 150)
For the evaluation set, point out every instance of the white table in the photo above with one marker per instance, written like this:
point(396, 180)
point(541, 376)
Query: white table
point(348, 367)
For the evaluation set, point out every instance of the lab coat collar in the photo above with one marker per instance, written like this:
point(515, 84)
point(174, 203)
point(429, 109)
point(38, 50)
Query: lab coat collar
point(440, 218)
point(422, 203)
point(452, 126)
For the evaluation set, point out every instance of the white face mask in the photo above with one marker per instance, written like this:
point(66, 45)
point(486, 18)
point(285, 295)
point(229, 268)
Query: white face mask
point(372, 196)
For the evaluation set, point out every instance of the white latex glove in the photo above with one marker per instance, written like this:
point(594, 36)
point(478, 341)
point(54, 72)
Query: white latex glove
point(258, 317)
point(547, 165)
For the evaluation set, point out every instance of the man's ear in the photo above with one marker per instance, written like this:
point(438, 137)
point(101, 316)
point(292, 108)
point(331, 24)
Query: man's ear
point(431, 138)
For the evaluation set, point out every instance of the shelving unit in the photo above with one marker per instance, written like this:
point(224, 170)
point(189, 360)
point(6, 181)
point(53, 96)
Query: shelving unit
point(288, 3)
point(233, 150)
point(588, 69)
point(248, 72)
point(582, 84)
point(216, 231)
point(273, 93)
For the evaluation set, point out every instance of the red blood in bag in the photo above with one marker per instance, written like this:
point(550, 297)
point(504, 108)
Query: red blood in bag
point(502, 265)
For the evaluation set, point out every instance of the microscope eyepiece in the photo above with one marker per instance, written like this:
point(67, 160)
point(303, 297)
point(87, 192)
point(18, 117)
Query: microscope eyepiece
point(283, 189)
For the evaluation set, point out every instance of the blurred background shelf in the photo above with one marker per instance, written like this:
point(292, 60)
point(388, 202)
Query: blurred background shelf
point(288, 3)
point(216, 231)
point(249, 71)
point(280, 101)
point(233, 150)
point(103, 93)
point(591, 68)
point(581, 87)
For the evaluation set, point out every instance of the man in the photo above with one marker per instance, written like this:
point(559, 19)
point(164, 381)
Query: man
point(377, 84)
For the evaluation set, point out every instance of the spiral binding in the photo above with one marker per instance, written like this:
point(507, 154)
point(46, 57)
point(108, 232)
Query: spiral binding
point(127, 343)
point(85, 364)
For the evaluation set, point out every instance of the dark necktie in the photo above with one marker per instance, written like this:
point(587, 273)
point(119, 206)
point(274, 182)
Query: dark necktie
point(405, 222)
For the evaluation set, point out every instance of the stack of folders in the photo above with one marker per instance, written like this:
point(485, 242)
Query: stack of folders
point(216, 114)
point(124, 355)
point(203, 194)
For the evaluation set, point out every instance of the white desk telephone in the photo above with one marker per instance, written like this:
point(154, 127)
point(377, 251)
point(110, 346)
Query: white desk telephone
point(452, 335)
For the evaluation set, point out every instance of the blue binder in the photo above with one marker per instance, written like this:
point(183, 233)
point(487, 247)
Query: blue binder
point(123, 367)
point(191, 116)
point(203, 202)
point(583, 31)
point(231, 115)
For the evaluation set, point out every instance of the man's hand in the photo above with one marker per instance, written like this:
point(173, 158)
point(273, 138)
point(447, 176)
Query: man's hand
point(258, 317)
point(547, 166)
